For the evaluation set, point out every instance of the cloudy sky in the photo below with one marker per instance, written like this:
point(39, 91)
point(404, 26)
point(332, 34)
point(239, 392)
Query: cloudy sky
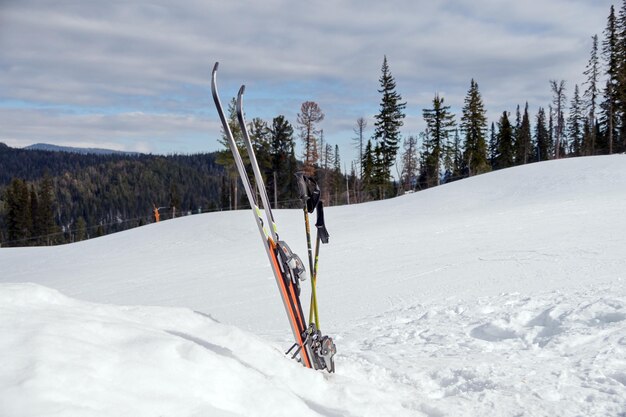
point(135, 75)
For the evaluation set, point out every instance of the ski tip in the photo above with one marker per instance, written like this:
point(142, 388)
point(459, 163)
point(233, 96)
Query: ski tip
point(242, 89)
point(217, 64)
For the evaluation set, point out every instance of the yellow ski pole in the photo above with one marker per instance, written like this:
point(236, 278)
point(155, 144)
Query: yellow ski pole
point(313, 306)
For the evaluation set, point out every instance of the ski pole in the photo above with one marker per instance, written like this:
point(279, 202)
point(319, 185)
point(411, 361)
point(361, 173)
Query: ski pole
point(322, 237)
point(313, 309)
point(313, 306)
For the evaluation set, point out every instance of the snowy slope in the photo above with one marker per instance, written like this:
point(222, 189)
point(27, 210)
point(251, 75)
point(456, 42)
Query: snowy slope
point(73, 358)
point(502, 294)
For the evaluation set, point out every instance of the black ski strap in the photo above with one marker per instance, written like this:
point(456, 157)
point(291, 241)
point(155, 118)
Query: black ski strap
point(322, 233)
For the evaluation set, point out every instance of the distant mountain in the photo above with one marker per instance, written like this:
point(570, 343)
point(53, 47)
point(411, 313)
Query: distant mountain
point(82, 151)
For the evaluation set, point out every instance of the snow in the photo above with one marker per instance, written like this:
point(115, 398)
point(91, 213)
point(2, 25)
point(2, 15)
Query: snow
point(501, 295)
point(550, 353)
point(74, 358)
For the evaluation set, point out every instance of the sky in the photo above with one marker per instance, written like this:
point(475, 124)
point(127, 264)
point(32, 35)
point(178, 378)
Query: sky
point(135, 75)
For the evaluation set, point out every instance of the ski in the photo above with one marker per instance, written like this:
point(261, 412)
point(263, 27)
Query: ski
point(314, 350)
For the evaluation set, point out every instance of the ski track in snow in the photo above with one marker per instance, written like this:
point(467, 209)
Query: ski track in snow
point(499, 295)
point(545, 354)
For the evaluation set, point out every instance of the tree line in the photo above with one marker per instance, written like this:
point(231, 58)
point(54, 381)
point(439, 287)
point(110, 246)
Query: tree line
point(594, 125)
point(592, 122)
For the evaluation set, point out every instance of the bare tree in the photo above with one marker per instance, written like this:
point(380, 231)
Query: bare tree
point(326, 177)
point(321, 149)
point(359, 130)
point(591, 94)
point(409, 163)
point(308, 118)
point(558, 99)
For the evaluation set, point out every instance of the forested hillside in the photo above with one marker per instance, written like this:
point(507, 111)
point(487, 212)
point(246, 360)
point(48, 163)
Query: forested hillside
point(52, 197)
point(56, 197)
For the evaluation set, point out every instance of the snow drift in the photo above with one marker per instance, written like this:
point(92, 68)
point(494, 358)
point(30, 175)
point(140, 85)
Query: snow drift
point(71, 358)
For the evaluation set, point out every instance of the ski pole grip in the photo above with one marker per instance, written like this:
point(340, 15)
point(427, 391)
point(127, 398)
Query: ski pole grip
point(303, 192)
point(309, 191)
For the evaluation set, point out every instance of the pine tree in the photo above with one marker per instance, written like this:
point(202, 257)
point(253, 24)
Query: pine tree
point(424, 180)
point(325, 177)
point(233, 125)
point(81, 229)
point(523, 140)
point(586, 137)
point(380, 173)
point(45, 216)
point(260, 139)
point(389, 120)
point(18, 217)
point(474, 129)
point(16, 223)
point(308, 118)
point(367, 165)
point(35, 229)
point(558, 99)
point(609, 120)
point(225, 156)
point(621, 78)
point(575, 123)
point(506, 152)
point(455, 151)
point(447, 160)
point(591, 95)
point(440, 123)
point(542, 137)
point(282, 159)
point(329, 159)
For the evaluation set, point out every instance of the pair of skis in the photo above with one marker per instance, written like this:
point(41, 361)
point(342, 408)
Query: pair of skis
point(315, 350)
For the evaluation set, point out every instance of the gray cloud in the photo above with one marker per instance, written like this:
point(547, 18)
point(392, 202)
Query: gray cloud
point(122, 131)
point(111, 62)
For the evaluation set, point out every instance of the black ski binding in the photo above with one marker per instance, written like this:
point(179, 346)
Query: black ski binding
point(322, 347)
